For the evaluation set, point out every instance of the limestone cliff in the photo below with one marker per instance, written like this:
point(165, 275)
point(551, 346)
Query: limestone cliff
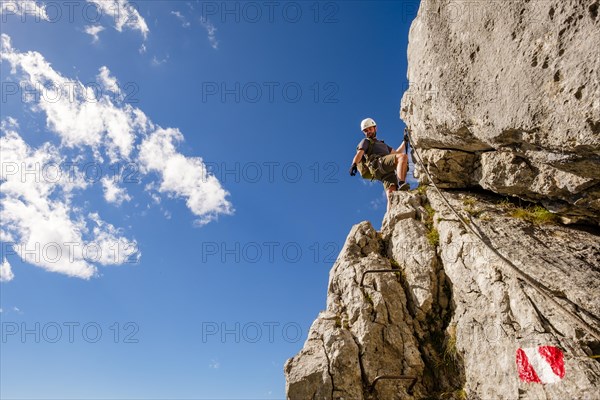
point(451, 315)
point(497, 302)
point(505, 95)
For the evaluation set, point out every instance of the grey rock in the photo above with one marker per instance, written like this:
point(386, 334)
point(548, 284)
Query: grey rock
point(515, 84)
point(313, 380)
point(456, 311)
point(366, 331)
point(504, 96)
point(496, 312)
point(450, 169)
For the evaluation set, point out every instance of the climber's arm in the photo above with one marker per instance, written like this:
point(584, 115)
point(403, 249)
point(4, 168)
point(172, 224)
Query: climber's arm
point(400, 149)
point(358, 157)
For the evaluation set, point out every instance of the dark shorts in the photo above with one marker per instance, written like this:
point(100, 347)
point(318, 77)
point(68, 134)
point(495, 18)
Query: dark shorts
point(388, 166)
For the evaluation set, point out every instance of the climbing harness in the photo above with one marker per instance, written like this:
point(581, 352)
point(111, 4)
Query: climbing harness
point(363, 166)
point(541, 289)
point(370, 167)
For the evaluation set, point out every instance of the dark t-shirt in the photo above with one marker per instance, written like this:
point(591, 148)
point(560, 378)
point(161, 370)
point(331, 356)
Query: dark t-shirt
point(379, 148)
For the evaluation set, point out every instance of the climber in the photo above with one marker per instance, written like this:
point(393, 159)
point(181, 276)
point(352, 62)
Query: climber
point(376, 160)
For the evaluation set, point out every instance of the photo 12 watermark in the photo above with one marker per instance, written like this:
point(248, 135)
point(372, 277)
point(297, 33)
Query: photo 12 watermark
point(69, 332)
point(268, 252)
point(68, 92)
point(251, 332)
point(71, 172)
point(291, 92)
point(490, 92)
point(272, 172)
point(272, 12)
point(90, 12)
point(106, 251)
point(475, 11)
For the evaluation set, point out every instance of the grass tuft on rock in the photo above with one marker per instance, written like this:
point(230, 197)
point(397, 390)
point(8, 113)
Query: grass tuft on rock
point(536, 214)
point(433, 236)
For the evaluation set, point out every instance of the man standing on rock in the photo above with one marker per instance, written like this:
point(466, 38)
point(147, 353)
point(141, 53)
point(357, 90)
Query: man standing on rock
point(377, 160)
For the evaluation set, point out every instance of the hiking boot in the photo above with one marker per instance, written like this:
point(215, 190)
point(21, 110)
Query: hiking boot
point(404, 187)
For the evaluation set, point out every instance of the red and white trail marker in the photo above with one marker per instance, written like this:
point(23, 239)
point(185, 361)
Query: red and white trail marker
point(542, 364)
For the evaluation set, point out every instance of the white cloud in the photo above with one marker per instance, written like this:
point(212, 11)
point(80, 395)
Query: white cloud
point(142, 49)
point(109, 83)
point(124, 14)
point(75, 112)
point(156, 62)
point(113, 248)
point(212, 32)
point(214, 364)
point(94, 30)
point(183, 176)
point(6, 274)
point(43, 213)
point(184, 22)
point(9, 123)
point(112, 192)
point(49, 231)
point(6, 236)
point(379, 202)
point(22, 8)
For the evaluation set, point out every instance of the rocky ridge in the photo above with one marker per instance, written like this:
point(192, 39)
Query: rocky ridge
point(451, 315)
point(504, 102)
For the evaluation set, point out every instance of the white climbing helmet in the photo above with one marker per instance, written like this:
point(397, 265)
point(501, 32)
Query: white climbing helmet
point(367, 123)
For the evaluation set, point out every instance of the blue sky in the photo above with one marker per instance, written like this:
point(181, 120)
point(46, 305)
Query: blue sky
point(191, 190)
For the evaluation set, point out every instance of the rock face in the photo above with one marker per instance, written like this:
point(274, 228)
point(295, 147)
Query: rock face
point(451, 314)
point(505, 95)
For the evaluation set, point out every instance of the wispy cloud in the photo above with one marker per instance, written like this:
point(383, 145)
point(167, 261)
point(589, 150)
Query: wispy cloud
point(93, 31)
point(212, 32)
point(157, 62)
point(6, 274)
point(379, 202)
point(214, 364)
point(78, 115)
point(108, 82)
point(112, 192)
point(184, 22)
point(182, 176)
point(124, 14)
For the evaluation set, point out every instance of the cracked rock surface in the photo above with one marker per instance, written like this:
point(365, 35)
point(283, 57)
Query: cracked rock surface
point(451, 314)
point(506, 96)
